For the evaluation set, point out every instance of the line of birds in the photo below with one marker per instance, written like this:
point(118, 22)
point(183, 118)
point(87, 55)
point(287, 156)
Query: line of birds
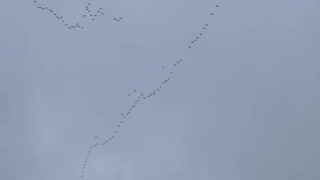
point(88, 15)
point(139, 98)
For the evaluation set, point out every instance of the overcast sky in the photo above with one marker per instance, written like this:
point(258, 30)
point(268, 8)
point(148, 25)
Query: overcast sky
point(243, 104)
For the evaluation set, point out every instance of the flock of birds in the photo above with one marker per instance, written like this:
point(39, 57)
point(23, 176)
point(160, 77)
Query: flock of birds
point(89, 14)
point(92, 15)
point(139, 97)
point(117, 19)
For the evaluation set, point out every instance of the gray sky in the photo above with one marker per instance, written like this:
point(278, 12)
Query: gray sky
point(242, 105)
